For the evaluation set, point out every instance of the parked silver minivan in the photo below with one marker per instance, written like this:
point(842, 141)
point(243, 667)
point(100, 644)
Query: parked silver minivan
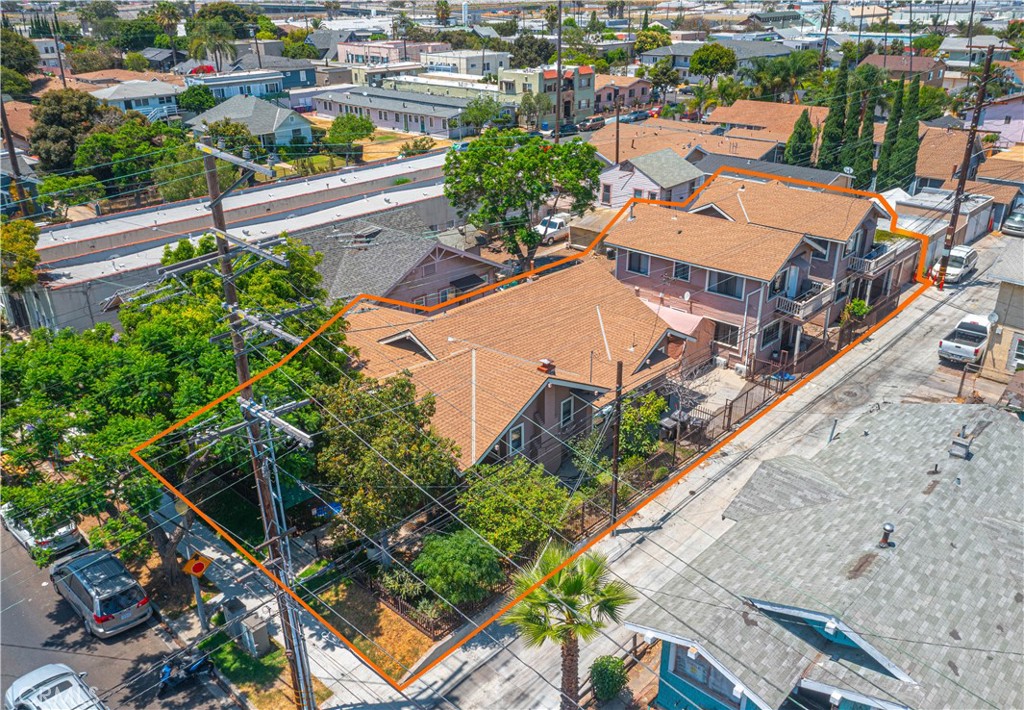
point(1014, 224)
point(52, 687)
point(102, 591)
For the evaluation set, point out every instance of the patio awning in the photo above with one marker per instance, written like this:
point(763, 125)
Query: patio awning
point(677, 320)
point(468, 282)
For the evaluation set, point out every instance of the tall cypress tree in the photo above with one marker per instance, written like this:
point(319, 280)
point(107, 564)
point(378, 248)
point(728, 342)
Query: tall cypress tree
point(864, 158)
point(800, 145)
point(904, 163)
point(885, 158)
point(832, 131)
point(851, 124)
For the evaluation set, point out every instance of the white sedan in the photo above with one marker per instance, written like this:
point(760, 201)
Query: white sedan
point(65, 537)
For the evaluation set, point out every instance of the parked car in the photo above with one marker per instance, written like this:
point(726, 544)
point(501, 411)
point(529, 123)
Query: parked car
point(654, 112)
point(590, 124)
point(568, 129)
point(102, 591)
point(962, 261)
point(966, 342)
point(636, 116)
point(52, 687)
point(459, 147)
point(553, 227)
point(62, 538)
point(1014, 224)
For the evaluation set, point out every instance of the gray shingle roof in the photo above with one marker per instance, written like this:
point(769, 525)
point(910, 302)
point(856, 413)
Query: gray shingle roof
point(1009, 267)
point(139, 89)
point(666, 168)
point(743, 49)
point(712, 162)
point(259, 116)
point(390, 100)
point(943, 605)
point(250, 62)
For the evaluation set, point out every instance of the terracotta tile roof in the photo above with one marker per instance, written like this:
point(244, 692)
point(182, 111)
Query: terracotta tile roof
point(657, 134)
point(115, 76)
point(1007, 166)
point(777, 119)
point(715, 243)
point(1000, 194)
point(19, 116)
point(773, 204)
point(512, 331)
point(904, 64)
point(940, 153)
point(1016, 67)
point(623, 82)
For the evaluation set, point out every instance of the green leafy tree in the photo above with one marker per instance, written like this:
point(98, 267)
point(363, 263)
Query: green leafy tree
point(133, 61)
point(18, 258)
point(932, 103)
point(418, 146)
point(14, 83)
point(904, 162)
point(213, 38)
point(573, 605)
point(480, 110)
point(662, 75)
point(832, 130)
point(929, 44)
point(515, 506)
point(646, 21)
point(884, 177)
point(236, 137)
point(638, 428)
point(59, 192)
point(851, 126)
point(62, 119)
point(197, 98)
point(800, 145)
point(703, 98)
point(299, 50)
point(712, 60)
point(608, 677)
point(345, 130)
point(646, 40)
point(461, 568)
point(506, 183)
point(442, 11)
point(236, 17)
point(551, 17)
point(135, 35)
point(530, 51)
point(97, 11)
point(124, 155)
point(179, 174)
point(85, 60)
point(729, 90)
point(19, 54)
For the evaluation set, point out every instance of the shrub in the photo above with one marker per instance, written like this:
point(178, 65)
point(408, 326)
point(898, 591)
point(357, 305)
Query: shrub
point(608, 676)
point(430, 609)
point(402, 181)
point(402, 584)
point(660, 474)
point(460, 567)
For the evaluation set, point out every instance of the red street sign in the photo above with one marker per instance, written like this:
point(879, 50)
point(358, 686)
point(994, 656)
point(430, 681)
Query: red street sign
point(197, 565)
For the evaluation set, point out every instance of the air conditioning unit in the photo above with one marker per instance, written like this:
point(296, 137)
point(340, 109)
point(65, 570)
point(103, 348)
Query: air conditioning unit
point(721, 362)
point(741, 370)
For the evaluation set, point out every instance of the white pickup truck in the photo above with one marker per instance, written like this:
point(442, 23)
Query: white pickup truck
point(552, 228)
point(967, 341)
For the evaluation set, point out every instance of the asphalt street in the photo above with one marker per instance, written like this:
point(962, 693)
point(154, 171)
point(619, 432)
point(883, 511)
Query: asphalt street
point(37, 627)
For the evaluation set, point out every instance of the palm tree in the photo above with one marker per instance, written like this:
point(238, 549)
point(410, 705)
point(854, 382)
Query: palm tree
point(730, 90)
point(167, 15)
point(573, 605)
point(704, 98)
point(214, 39)
point(795, 69)
point(315, 23)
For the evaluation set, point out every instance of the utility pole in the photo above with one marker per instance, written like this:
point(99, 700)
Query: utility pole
point(255, 41)
point(965, 167)
point(616, 429)
point(826, 21)
point(57, 44)
point(558, 81)
point(294, 643)
point(618, 125)
point(25, 203)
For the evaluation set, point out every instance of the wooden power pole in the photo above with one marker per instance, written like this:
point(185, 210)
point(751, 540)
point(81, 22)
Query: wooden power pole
point(616, 430)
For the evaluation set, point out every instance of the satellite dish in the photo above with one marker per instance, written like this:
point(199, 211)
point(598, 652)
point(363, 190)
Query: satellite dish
point(686, 296)
point(993, 318)
point(848, 170)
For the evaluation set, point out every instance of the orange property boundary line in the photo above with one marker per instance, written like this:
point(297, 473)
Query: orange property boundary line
point(919, 276)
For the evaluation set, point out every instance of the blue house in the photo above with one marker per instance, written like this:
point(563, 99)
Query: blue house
point(883, 573)
point(296, 73)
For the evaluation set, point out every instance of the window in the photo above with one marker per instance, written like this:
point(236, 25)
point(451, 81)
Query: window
point(429, 269)
point(852, 243)
point(778, 284)
point(566, 412)
point(1016, 354)
point(698, 672)
point(727, 334)
point(444, 294)
point(638, 194)
point(638, 263)
point(824, 245)
point(420, 300)
point(606, 193)
point(632, 93)
point(771, 333)
point(1006, 120)
point(652, 195)
point(296, 133)
point(680, 271)
point(516, 435)
point(726, 285)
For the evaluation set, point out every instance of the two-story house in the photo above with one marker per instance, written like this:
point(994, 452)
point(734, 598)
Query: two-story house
point(616, 142)
point(1003, 116)
point(680, 54)
point(940, 155)
point(661, 175)
point(626, 91)
point(766, 276)
point(295, 73)
point(387, 51)
point(577, 89)
point(767, 121)
point(156, 100)
point(478, 62)
point(246, 83)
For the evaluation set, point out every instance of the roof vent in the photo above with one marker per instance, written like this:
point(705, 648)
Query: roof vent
point(961, 446)
point(887, 530)
point(546, 366)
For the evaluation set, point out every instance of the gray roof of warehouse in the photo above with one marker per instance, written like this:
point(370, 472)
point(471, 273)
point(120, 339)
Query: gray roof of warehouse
point(404, 101)
point(259, 116)
point(744, 49)
point(943, 605)
point(666, 168)
point(250, 62)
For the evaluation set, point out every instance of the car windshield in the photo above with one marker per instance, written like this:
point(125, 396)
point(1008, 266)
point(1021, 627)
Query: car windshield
point(119, 601)
point(956, 261)
point(1016, 218)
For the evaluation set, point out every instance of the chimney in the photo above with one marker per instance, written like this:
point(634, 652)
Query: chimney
point(546, 366)
point(887, 530)
point(961, 446)
point(631, 216)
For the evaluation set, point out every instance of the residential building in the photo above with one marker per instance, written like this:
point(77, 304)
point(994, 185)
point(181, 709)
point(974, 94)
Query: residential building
point(769, 121)
point(273, 125)
point(263, 83)
point(295, 73)
point(963, 53)
point(387, 51)
point(19, 118)
point(156, 100)
point(1005, 352)
point(681, 52)
point(332, 75)
point(28, 181)
point(860, 15)
point(662, 175)
point(393, 255)
point(465, 86)
point(940, 154)
point(976, 210)
point(479, 62)
point(691, 140)
point(1004, 197)
point(326, 40)
point(376, 74)
point(627, 91)
point(48, 53)
point(1003, 116)
point(527, 387)
point(410, 112)
point(776, 19)
point(267, 47)
point(709, 164)
point(1004, 168)
point(771, 279)
point(931, 70)
point(163, 60)
point(577, 89)
point(110, 77)
point(839, 572)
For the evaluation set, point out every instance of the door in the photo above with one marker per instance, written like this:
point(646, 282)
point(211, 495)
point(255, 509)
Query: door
point(793, 282)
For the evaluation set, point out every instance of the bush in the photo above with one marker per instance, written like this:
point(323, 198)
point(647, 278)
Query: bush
point(608, 676)
point(402, 584)
point(660, 474)
point(401, 181)
point(460, 567)
point(430, 609)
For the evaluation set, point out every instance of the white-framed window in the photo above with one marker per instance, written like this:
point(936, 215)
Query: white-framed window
point(852, 243)
point(516, 439)
point(566, 411)
point(680, 271)
point(652, 195)
point(727, 334)
point(771, 333)
point(429, 269)
point(638, 263)
point(815, 254)
point(1016, 359)
point(606, 194)
point(638, 194)
point(699, 673)
point(420, 300)
point(444, 294)
point(778, 284)
point(725, 284)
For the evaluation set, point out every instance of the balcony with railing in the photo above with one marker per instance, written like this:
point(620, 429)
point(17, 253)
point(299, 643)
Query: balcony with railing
point(814, 295)
point(883, 255)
